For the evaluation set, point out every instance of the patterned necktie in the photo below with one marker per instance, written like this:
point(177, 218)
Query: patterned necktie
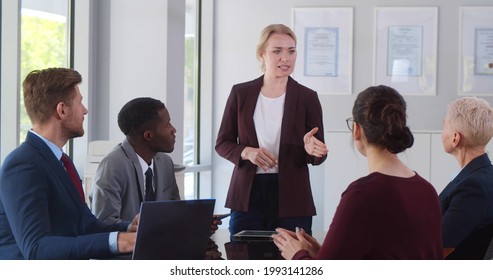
point(150, 195)
point(69, 166)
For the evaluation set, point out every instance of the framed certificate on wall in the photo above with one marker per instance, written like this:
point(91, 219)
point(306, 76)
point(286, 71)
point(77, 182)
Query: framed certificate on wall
point(476, 51)
point(405, 55)
point(325, 48)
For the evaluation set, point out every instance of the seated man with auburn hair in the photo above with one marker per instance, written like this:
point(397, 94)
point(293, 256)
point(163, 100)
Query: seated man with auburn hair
point(43, 214)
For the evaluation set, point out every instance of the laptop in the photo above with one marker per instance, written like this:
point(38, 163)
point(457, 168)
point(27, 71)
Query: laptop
point(174, 230)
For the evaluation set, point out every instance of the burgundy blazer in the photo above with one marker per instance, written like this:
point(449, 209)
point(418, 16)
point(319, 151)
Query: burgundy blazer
point(302, 112)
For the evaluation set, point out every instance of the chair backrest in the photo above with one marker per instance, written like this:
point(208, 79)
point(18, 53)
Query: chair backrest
point(96, 151)
point(489, 252)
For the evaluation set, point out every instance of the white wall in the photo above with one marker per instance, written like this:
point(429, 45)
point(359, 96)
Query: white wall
point(138, 50)
point(237, 24)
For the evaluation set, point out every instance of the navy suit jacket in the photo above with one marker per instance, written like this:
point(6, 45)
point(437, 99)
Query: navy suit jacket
point(41, 213)
point(302, 112)
point(467, 209)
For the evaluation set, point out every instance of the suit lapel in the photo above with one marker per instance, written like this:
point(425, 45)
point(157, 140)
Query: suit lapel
point(162, 183)
point(477, 163)
point(290, 103)
point(57, 168)
point(130, 153)
point(248, 104)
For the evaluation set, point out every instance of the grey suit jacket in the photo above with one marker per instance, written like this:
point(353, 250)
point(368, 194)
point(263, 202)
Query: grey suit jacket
point(119, 186)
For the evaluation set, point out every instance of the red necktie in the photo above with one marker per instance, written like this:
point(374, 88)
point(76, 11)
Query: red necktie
point(73, 175)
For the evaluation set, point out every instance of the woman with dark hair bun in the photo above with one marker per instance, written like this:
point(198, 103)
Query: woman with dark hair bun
point(392, 213)
point(381, 112)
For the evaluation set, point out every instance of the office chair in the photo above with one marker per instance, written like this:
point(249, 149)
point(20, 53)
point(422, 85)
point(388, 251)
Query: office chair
point(96, 151)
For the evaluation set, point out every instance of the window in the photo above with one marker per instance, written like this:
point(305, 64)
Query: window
point(190, 120)
point(45, 42)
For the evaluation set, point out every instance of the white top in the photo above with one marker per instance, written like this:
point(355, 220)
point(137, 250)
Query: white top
point(268, 120)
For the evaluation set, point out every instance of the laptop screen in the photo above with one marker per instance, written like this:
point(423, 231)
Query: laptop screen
point(173, 230)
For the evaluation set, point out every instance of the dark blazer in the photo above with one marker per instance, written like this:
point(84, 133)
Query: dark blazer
point(41, 213)
point(467, 209)
point(302, 112)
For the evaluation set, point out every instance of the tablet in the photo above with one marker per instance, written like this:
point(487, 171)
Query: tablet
point(265, 235)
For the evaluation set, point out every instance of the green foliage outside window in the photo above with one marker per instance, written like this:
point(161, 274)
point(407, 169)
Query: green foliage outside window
point(43, 45)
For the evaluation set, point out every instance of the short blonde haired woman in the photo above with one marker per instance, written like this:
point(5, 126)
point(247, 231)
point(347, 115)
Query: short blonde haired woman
point(467, 201)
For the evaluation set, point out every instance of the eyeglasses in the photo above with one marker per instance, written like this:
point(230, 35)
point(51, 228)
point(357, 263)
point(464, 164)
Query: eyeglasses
point(350, 123)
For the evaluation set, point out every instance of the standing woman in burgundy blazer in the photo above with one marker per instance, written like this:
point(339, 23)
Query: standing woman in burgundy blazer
point(271, 129)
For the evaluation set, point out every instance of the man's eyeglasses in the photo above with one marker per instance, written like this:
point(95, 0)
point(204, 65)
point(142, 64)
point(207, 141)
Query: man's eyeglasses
point(350, 123)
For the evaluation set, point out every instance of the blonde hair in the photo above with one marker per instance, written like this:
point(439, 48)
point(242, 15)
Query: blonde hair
point(473, 118)
point(265, 35)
